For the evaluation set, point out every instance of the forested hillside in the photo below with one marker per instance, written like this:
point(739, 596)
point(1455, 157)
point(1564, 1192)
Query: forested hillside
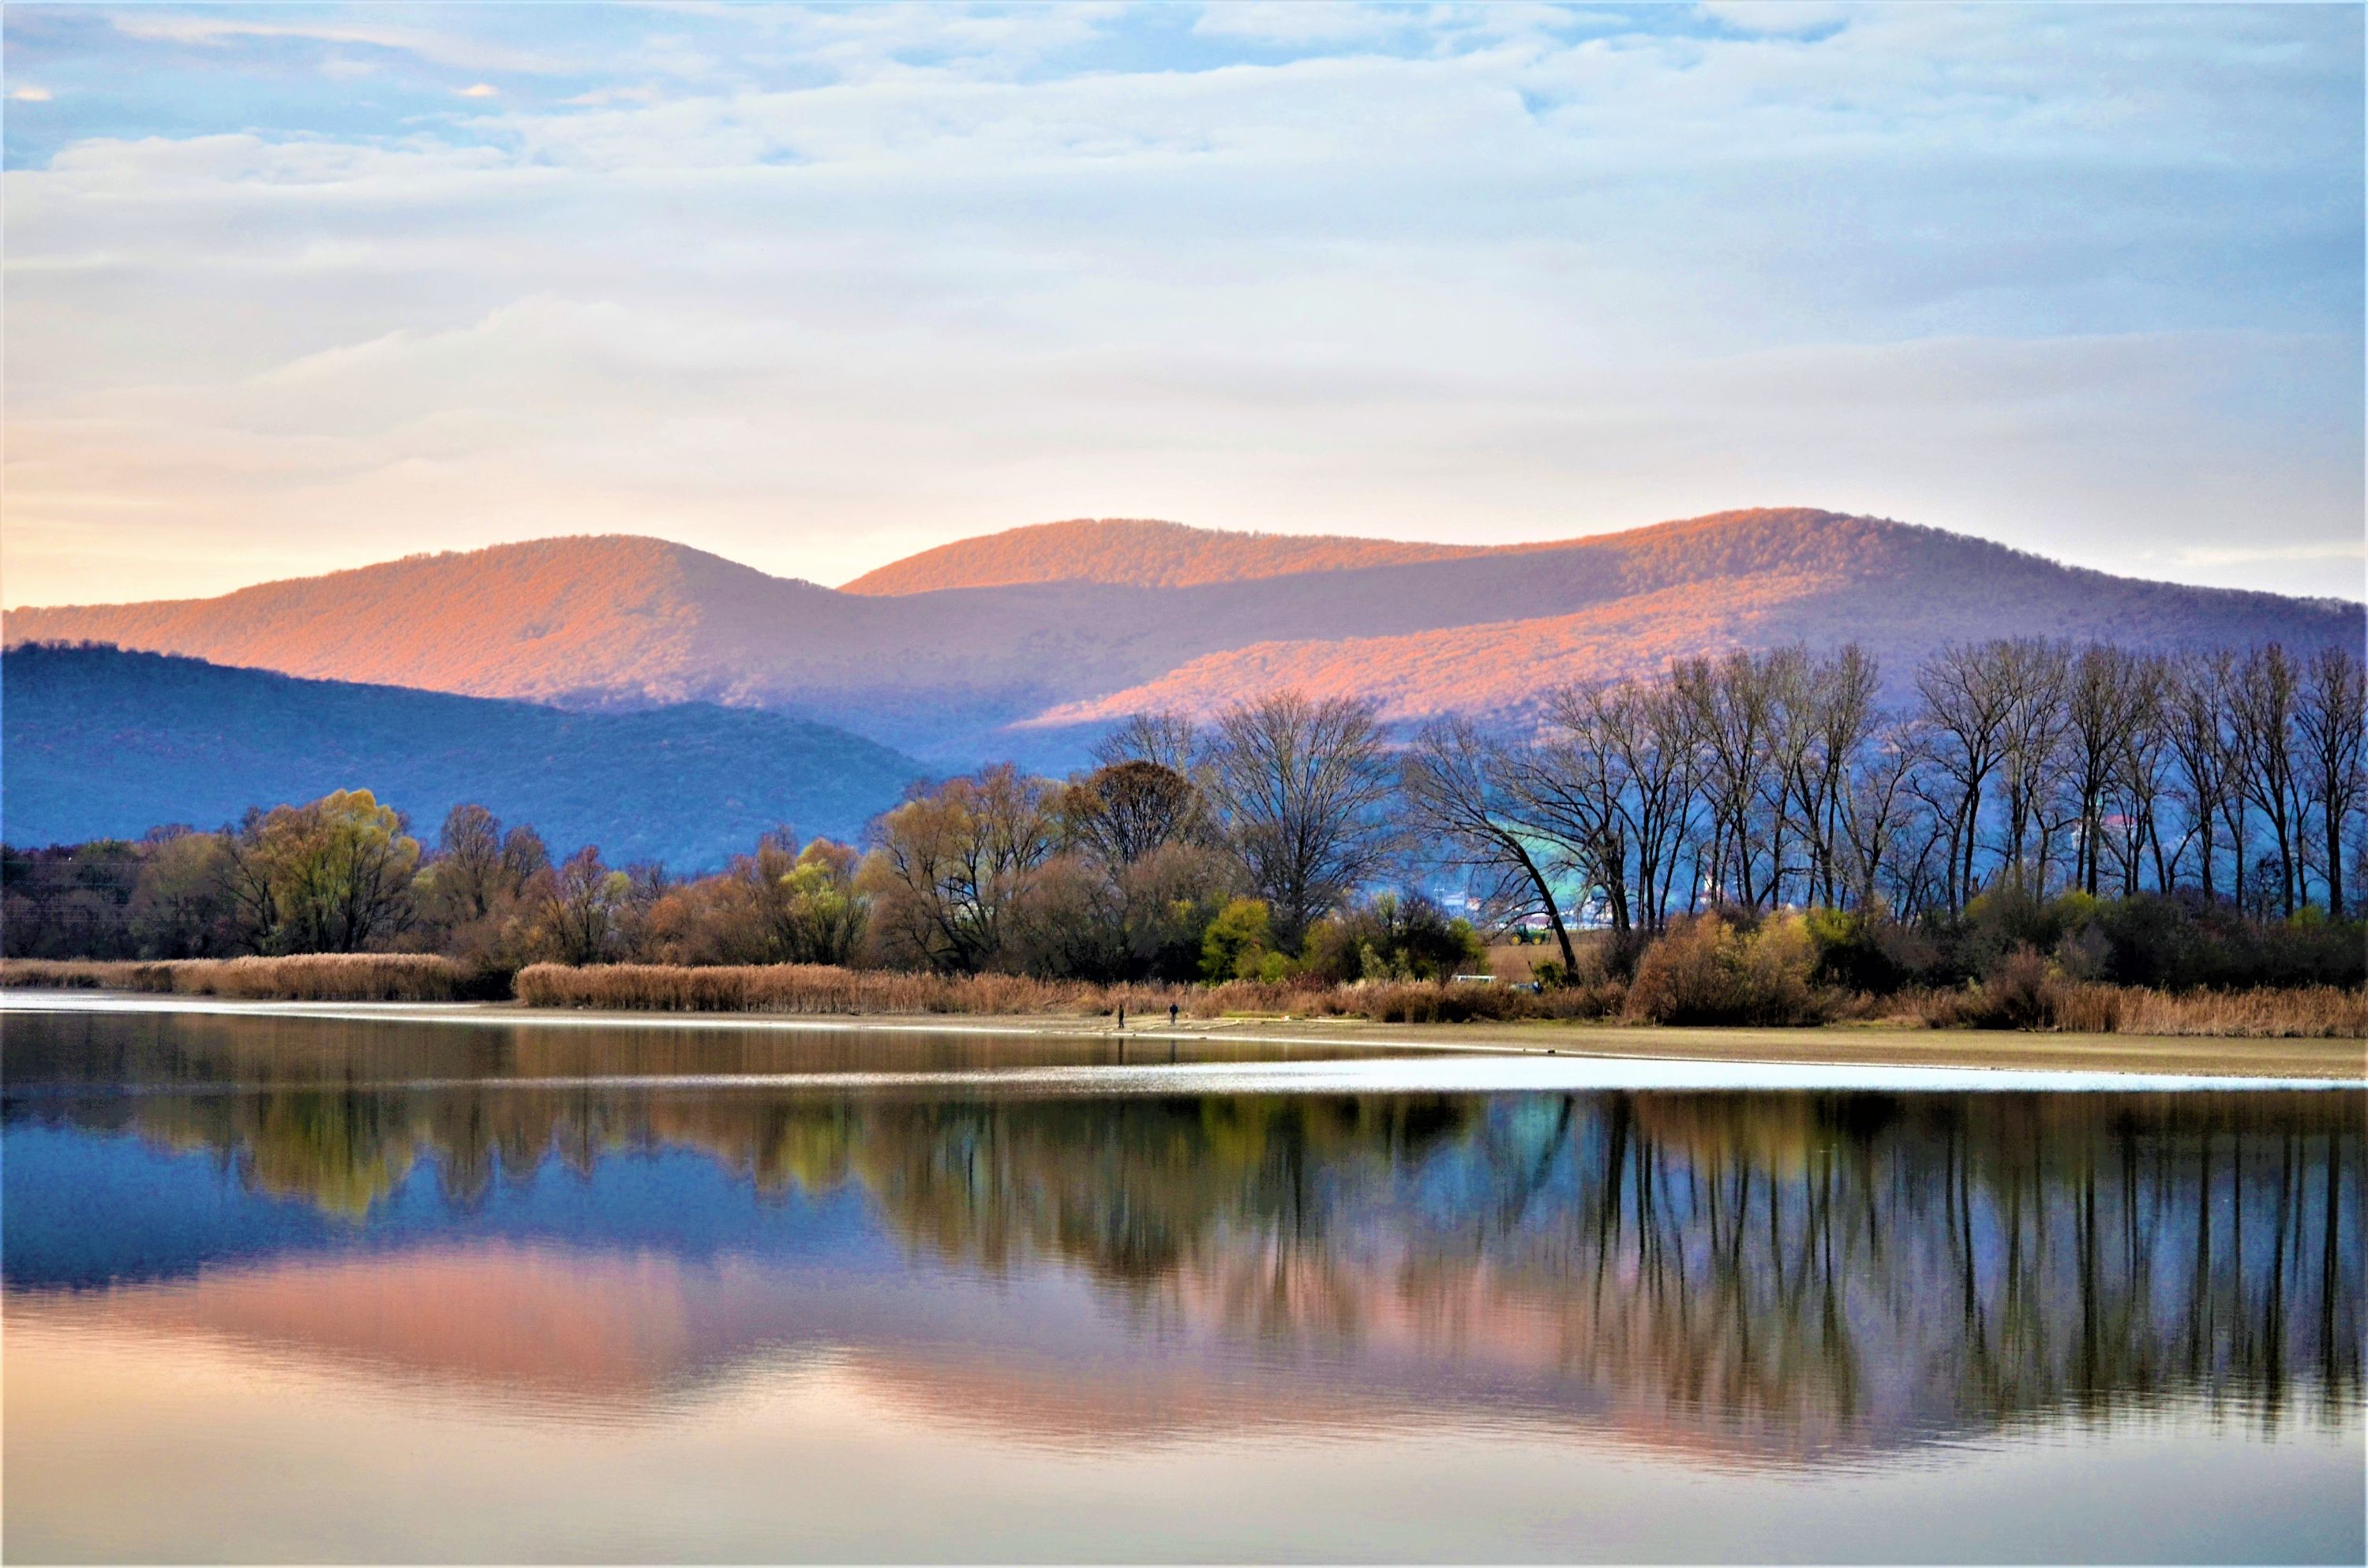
point(1117, 616)
point(101, 742)
point(1136, 551)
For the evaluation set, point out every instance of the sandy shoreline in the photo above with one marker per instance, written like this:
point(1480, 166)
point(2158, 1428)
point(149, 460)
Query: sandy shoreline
point(2339, 1060)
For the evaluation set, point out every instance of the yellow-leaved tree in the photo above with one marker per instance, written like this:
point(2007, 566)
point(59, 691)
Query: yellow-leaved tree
point(326, 877)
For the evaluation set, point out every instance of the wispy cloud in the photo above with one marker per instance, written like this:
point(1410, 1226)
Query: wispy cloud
point(442, 47)
point(811, 287)
point(2254, 555)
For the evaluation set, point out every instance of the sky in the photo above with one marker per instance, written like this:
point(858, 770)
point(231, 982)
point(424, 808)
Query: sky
point(297, 287)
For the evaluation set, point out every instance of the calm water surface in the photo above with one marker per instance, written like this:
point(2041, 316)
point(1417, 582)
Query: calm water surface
point(306, 1289)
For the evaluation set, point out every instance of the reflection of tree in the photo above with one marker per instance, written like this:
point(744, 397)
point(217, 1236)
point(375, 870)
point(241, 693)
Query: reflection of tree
point(1806, 1267)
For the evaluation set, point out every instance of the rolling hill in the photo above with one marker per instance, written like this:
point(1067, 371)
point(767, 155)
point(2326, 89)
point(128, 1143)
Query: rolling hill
point(1136, 551)
point(98, 742)
point(963, 662)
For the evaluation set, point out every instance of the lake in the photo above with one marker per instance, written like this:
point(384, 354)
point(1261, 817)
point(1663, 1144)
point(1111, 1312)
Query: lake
point(282, 1287)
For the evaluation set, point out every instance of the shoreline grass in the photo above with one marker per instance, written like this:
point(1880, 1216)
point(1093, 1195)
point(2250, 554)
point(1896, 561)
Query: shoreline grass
point(2049, 1004)
point(299, 977)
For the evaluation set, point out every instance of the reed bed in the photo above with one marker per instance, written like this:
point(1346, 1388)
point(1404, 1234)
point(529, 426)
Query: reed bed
point(2042, 1002)
point(2066, 1006)
point(2052, 1004)
point(299, 977)
point(817, 988)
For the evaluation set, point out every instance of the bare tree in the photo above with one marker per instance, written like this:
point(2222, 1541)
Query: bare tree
point(2332, 723)
point(1733, 725)
point(1170, 740)
point(1124, 812)
point(2107, 699)
point(1876, 813)
point(1843, 691)
point(467, 864)
point(1304, 784)
point(1630, 746)
point(2263, 708)
point(2142, 777)
point(1968, 707)
point(581, 907)
point(2192, 716)
point(2035, 677)
point(1458, 798)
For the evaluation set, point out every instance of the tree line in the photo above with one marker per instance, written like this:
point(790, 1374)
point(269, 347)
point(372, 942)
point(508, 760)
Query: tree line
point(1765, 780)
point(1289, 836)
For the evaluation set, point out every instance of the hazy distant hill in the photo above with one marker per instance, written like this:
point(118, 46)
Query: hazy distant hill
point(955, 674)
point(103, 743)
point(1138, 551)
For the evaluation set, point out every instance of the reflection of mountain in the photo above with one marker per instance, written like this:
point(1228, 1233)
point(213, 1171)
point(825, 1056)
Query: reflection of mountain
point(1746, 1275)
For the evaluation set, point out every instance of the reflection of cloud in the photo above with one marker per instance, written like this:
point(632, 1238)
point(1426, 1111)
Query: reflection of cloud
point(497, 1318)
point(1721, 1273)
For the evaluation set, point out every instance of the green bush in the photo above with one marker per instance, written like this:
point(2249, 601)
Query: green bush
point(1238, 942)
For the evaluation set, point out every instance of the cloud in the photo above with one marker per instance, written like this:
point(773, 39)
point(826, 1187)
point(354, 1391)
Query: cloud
point(1301, 21)
point(479, 90)
point(30, 94)
point(889, 274)
point(2248, 555)
point(1776, 15)
point(453, 49)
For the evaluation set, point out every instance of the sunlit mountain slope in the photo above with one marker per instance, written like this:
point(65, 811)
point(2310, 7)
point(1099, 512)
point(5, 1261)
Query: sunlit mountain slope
point(1144, 553)
point(956, 674)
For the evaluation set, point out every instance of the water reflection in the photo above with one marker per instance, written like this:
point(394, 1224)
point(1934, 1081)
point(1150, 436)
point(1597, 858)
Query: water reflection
point(1753, 1277)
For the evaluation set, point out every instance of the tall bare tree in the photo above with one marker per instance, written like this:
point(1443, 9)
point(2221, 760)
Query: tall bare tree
point(1170, 740)
point(1968, 710)
point(2332, 723)
point(1304, 785)
point(2263, 708)
point(1459, 800)
point(1125, 812)
point(1843, 691)
point(1734, 724)
point(2106, 699)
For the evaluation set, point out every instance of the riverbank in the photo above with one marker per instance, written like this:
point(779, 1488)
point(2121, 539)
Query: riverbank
point(1874, 1047)
point(2023, 997)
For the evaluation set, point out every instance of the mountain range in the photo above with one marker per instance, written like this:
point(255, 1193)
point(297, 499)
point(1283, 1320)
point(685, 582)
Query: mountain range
point(1028, 643)
point(104, 744)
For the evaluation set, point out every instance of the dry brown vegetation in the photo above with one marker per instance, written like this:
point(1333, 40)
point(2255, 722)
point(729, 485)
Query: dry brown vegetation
point(1673, 992)
point(2066, 1007)
point(2323, 1012)
point(302, 977)
point(823, 989)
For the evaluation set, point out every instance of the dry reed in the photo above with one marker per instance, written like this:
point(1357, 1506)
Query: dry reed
point(299, 977)
point(2068, 1006)
point(815, 988)
point(2051, 1004)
